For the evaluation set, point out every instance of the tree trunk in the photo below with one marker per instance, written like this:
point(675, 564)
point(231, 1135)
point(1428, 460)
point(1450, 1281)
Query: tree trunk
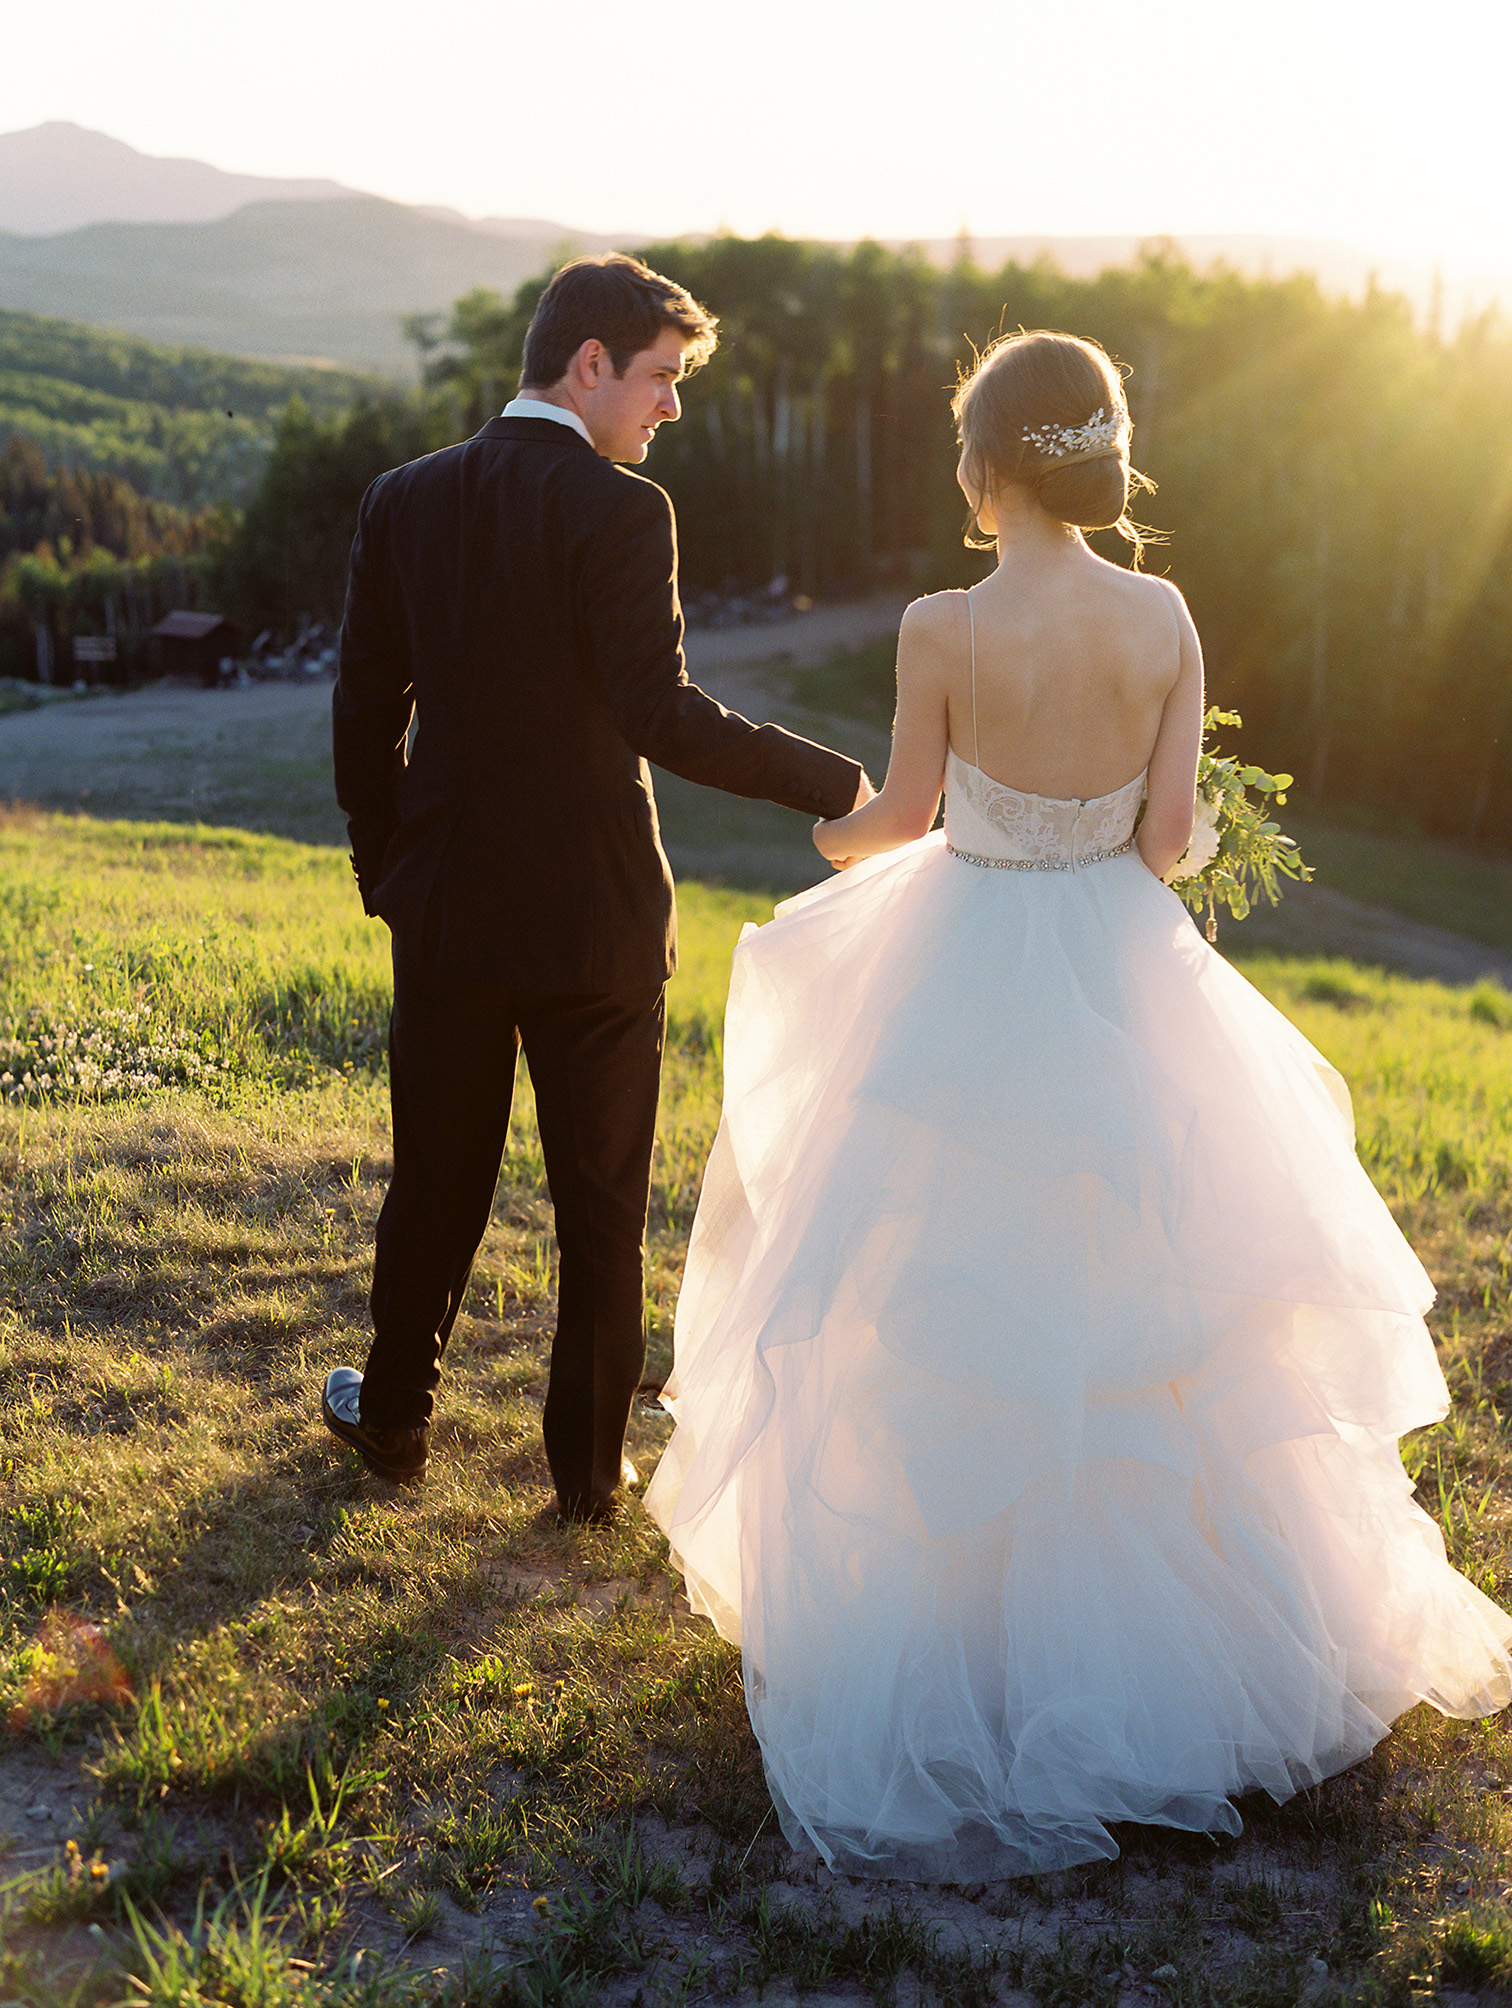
point(782, 475)
point(864, 484)
point(1481, 801)
point(813, 493)
point(1317, 704)
point(1496, 728)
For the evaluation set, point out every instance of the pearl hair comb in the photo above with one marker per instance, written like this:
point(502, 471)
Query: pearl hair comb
point(1100, 434)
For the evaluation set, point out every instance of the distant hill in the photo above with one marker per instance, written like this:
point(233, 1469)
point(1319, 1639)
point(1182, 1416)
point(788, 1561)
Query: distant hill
point(60, 176)
point(177, 379)
point(328, 280)
point(178, 251)
point(332, 280)
point(179, 424)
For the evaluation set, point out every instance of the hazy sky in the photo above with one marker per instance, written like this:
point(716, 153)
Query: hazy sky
point(1370, 122)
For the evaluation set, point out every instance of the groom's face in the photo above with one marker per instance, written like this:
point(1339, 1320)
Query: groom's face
point(622, 413)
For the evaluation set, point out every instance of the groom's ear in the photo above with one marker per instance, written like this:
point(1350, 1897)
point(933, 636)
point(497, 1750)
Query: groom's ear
point(591, 364)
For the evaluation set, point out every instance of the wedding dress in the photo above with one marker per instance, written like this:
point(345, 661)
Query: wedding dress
point(1040, 1364)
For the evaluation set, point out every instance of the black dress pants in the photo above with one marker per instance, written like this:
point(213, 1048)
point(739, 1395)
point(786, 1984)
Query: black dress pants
point(595, 1062)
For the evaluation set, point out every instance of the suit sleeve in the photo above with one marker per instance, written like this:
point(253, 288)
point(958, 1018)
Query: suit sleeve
point(371, 707)
point(628, 593)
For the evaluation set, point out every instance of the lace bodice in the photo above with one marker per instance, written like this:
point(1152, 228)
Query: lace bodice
point(989, 822)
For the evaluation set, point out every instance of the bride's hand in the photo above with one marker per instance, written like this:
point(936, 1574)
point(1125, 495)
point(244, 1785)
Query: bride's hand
point(826, 844)
point(833, 837)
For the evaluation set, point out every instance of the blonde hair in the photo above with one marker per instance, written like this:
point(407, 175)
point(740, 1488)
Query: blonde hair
point(1028, 388)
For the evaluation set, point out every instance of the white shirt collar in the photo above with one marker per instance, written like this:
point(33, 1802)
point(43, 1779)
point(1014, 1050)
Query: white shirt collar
point(535, 407)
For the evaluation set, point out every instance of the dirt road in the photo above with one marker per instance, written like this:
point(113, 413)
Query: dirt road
point(259, 756)
point(261, 753)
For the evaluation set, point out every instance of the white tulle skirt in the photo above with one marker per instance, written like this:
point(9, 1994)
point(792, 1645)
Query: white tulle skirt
point(1040, 1365)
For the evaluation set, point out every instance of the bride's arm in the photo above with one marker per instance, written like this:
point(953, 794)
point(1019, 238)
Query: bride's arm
point(910, 796)
point(1167, 826)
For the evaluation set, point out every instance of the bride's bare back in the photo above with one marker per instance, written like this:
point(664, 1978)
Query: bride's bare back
point(1074, 662)
point(1086, 675)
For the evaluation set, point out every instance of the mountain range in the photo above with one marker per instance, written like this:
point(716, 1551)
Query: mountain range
point(307, 280)
point(59, 175)
point(179, 251)
point(182, 252)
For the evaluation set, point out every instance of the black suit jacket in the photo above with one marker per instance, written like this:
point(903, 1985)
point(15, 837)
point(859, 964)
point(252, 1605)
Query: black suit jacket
point(518, 595)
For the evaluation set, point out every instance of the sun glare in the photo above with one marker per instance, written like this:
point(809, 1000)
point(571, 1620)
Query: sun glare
point(821, 122)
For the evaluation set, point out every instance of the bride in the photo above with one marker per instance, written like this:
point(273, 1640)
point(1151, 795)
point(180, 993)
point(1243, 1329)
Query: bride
point(1043, 1347)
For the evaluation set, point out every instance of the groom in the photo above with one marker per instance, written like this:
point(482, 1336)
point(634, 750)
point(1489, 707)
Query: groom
point(515, 597)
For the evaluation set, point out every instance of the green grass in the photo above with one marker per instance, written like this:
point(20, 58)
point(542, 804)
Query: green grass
point(318, 1719)
point(857, 683)
point(1425, 878)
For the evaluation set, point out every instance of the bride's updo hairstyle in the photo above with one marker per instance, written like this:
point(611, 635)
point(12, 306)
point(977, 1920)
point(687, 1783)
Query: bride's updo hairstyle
point(1048, 412)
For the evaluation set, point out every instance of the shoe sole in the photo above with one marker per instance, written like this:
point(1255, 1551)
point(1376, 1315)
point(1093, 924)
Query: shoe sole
point(410, 1475)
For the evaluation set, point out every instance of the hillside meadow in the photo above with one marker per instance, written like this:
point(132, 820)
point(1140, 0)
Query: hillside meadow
point(279, 1734)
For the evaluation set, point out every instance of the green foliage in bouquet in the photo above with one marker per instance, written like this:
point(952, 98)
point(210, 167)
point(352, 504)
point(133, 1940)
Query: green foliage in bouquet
point(1235, 849)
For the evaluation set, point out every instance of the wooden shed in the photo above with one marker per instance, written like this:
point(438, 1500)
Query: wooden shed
point(192, 645)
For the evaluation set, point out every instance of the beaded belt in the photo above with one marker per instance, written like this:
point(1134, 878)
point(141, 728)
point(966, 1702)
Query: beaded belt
point(1041, 864)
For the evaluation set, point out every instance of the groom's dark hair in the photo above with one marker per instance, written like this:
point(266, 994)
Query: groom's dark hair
point(614, 300)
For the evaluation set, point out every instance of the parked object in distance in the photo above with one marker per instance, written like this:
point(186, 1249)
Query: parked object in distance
point(311, 653)
point(190, 646)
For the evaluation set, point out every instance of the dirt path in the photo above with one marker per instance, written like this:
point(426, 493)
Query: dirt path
point(216, 756)
point(729, 662)
point(259, 756)
point(1316, 920)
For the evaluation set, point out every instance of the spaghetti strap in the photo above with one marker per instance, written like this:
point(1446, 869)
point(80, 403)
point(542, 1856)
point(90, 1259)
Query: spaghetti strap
point(976, 744)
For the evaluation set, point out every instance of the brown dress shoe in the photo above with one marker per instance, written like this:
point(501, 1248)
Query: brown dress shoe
point(398, 1454)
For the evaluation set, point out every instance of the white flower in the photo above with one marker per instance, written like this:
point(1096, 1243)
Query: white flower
point(1202, 847)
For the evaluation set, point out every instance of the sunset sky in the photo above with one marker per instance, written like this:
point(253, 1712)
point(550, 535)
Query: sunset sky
point(1322, 118)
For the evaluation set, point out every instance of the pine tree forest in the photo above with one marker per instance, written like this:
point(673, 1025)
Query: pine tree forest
point(1334, 481)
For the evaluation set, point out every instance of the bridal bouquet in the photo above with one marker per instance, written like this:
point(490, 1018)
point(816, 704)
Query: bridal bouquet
point(1234, 848)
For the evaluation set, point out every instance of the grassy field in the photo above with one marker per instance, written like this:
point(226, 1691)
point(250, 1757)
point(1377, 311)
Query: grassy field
point(281, 1735)
point(260, 760)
